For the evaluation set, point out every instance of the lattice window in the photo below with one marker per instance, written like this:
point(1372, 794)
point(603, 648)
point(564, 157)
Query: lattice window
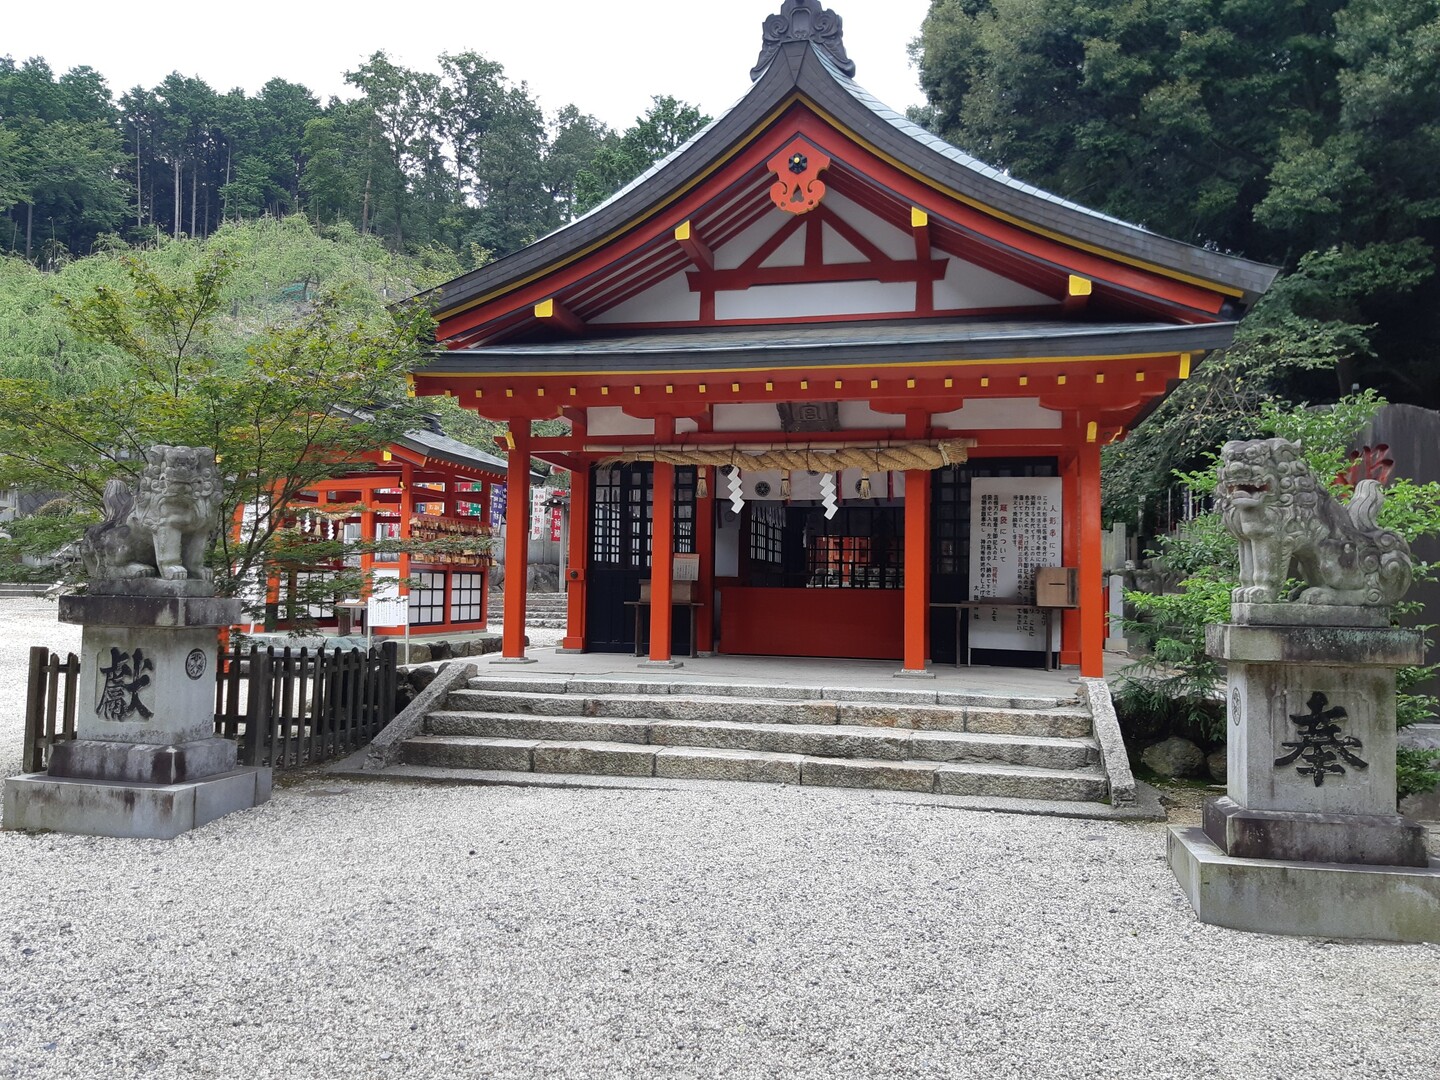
point(767, 534)
point(949, 521)
point(427, 599)
point(685, 510)
point(605, 524)
point(466, 593)
point(639, 516)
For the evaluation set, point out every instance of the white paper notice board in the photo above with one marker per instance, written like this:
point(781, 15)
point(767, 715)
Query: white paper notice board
point(1015, 529)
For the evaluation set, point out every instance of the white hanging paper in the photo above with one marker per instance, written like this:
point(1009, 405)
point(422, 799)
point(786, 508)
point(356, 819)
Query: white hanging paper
point(737, 489)
point(827, 495)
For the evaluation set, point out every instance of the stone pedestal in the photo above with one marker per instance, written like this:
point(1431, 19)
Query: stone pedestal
point(1311, 802)
point(146, 761)
point(1311, 744)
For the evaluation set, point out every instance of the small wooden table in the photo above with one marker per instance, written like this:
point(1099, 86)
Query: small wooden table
point(970, 605)
point(642, 607)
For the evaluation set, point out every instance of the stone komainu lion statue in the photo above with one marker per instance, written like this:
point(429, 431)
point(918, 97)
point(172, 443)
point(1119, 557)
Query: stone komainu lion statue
point(1288, 526)
point(164, 528)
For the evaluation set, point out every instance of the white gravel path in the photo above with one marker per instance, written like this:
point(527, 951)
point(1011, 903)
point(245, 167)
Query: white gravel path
point(24, 622)
point(371, 930)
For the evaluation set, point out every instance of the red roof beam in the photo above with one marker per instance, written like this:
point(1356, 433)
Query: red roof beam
point(554, 313)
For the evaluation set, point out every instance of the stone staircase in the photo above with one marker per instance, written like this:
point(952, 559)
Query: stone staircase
point(959, 744)
point(543, 611)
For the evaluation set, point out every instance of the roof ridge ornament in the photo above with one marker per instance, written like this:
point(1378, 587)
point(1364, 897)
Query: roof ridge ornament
point(804, 20)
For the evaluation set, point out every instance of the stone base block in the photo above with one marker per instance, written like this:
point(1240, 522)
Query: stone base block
point(1371, 839)
point(41, 803)
point(513, 660)
point(87, 759)
point(1273, 896)
point(1308, 615)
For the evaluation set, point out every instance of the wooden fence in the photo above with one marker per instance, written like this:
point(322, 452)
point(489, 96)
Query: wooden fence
point(285, 708)
point(49, 705)
point(294, 707)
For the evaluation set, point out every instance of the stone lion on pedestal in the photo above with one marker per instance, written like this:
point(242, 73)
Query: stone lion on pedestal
point(1288, 526)
point(163, 529)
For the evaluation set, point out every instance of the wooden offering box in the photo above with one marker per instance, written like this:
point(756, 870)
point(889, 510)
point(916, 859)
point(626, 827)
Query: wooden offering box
point(1056, 586)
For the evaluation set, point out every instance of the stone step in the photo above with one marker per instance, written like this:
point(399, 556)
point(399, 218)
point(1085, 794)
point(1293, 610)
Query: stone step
point(1052, 723)
point(599, 758)
point(825, 740)
point(560, 684)
point(520, 726)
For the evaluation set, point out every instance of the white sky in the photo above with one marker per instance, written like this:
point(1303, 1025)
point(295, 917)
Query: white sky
point(606, 56)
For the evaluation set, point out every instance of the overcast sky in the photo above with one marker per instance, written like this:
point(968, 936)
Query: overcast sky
point(607, 56)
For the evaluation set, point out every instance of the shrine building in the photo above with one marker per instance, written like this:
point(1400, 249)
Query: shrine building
point(862, 379)
point(424, 486)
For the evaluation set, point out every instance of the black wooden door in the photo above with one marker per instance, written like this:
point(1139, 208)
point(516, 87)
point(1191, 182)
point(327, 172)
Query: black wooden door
point(622, 511)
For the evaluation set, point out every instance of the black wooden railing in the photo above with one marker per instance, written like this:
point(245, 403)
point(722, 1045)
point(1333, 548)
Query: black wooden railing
point(292, 707)
point(286, 708)
point(49, 705)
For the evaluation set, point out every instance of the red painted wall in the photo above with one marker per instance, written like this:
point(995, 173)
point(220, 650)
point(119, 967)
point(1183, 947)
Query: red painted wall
point(859, 624)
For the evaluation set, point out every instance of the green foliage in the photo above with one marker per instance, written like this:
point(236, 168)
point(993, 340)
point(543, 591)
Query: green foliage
point(458, 160)
point(619, 159)
point(1178, 681)
point(301, 400)
point(1297, 134)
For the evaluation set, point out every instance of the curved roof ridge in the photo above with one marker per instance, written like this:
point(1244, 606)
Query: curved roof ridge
point(801, 68)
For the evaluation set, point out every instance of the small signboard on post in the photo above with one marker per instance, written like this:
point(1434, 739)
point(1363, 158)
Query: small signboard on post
point(386, 607)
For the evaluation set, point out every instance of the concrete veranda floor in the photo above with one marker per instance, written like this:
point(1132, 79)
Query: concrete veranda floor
point(795, 671)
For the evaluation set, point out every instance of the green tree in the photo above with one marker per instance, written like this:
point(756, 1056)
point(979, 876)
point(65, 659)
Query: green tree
point(577, 139)
point(60, 176)
point(1297, 134)
point(302, 403)
point(666, 125)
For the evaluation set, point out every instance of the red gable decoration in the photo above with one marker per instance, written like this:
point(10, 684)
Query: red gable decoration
point(797, 170)
point(1371, 463)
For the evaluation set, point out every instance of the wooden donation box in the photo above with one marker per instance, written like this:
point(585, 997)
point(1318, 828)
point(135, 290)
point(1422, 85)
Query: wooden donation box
point(681, 592)
point(1057, 586)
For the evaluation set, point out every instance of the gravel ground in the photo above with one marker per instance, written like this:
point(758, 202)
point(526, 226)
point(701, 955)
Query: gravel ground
point(24, 622)
point(373, 930)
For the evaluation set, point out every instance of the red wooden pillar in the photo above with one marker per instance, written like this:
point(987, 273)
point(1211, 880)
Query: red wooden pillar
point(517, 542)
point(579, 559)
point(917, 557)
point(1070, 553)
point(917, 572)
point(705, 547)
point(486, 486)
point(1092, 586)
point(662, 550)
point(407, 511)
point(367, 541)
